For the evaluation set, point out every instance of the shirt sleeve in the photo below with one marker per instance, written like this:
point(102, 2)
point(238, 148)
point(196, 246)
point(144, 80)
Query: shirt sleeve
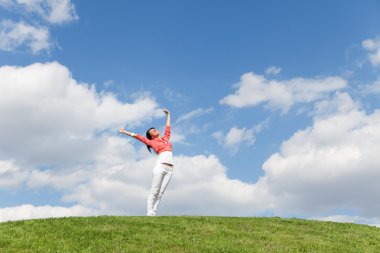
point(143, 139)
point(167, 133)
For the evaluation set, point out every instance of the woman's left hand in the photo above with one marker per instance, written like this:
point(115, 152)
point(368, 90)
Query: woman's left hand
point(166, 111)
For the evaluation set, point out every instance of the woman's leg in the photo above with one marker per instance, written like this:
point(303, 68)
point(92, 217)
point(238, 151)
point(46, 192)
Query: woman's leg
point(167, 175)
point(157, 179)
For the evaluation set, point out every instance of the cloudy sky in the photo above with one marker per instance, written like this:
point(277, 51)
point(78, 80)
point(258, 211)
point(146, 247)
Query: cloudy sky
point(275, 107)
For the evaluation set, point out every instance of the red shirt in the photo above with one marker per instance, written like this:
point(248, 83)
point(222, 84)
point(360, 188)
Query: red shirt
point(158, 144)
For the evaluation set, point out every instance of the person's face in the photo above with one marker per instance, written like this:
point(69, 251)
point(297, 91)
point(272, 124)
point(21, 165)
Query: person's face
point(154, 133)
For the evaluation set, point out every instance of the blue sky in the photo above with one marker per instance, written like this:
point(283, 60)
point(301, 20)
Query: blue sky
point(268, 98)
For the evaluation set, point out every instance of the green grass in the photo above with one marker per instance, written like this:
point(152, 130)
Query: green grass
point(186, 234)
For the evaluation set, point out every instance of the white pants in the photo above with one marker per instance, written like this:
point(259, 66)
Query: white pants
point(162, 174)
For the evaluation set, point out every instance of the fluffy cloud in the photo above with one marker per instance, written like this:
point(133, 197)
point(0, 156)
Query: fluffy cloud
point(332, 165)
point(14, 35)
point(199, 186)
point(373, 46)
point(25, 212)
point(58, 11)
point(11, 175)
point(57, 134)
point(350, 219)
point(373, 88)
point(235, 138)
point(254, 90)
point(55, 117)
point(120, 186)
point(36, 38)
point(52, 11)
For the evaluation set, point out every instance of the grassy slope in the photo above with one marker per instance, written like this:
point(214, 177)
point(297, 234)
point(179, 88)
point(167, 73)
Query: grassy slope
point(186, 234)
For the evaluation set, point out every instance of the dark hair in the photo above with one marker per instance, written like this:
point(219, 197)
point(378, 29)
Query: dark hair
point(149, 138)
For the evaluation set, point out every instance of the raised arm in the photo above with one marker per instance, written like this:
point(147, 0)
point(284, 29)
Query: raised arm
point(166, 111)
point(167, 128)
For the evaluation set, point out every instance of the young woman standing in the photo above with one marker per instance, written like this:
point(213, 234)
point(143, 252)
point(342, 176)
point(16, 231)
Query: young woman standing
point(163, 169)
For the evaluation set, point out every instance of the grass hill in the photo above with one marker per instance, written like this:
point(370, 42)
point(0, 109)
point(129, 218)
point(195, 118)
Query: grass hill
point(186, 234)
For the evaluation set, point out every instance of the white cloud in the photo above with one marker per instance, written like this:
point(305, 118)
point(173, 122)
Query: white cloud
point(338, 218)
point(254, 90)
point(273, 70)
point(238, 135)
point(261, 126)
point(25, 212)
point(182, 132)
point(120, 186)
point(22, 34)
point(342, 103)
point(373, 46)
point(332, 165)
point(373, 88)
point(15, 35)
point(61, 11)
point(350, 219)
point(52, 11)
point(199, 186)
point(11, 175)
point(57, 119)
point(177, 137)
point(195, 113)
point(235, 138)
point(60, 179)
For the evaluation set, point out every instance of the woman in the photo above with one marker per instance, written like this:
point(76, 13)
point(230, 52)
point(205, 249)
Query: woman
point(162, 171)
